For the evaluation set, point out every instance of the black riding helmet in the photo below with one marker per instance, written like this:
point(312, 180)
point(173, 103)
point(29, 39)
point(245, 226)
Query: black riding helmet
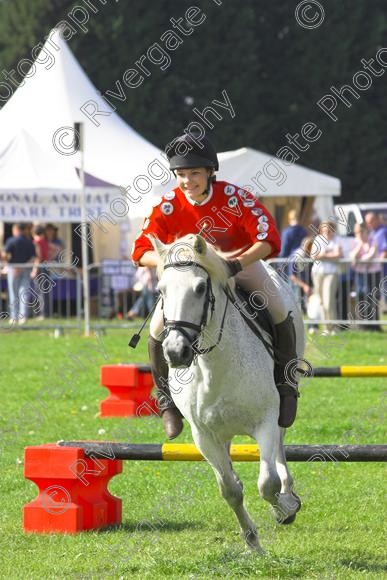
point(185, 152)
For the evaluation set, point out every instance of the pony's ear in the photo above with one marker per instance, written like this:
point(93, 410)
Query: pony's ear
point(158, 246)
point(200, 245)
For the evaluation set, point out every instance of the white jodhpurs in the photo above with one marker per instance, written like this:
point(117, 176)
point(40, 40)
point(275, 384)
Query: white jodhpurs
point(255, 278)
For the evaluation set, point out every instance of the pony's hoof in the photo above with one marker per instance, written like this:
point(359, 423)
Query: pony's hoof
point(288, 520)
point(252, 542)
point(256, 548)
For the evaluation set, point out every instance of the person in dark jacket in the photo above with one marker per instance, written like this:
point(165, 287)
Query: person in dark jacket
point(292, 236)
point(19, 250)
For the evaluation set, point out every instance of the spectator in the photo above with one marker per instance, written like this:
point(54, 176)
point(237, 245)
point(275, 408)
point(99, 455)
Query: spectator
point(299, 273)
point(42, 252)
point(377, 234)
point(19, 249)
point(325, 270)
point(362, 250)
point(55, 245)
point(292, 236)
point(363, 269)
point(377, 237)
point(41, 243)
point(146, 283)
point(344, 281)
point(29, 230)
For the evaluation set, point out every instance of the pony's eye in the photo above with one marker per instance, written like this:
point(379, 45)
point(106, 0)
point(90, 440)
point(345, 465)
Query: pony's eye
point(200, 289)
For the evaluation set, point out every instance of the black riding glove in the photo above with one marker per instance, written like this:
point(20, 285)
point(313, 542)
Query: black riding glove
point(233, 267)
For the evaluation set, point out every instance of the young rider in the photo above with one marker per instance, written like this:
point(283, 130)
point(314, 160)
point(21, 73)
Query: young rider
point(237, 224)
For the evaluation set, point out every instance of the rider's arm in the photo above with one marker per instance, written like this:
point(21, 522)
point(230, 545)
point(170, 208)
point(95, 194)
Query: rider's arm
point(259, 251)
point(149, 259)
point(143, 253)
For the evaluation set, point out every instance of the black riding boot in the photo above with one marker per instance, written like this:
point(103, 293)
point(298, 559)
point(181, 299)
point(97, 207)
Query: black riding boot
point(285, 371)
point(172, 418)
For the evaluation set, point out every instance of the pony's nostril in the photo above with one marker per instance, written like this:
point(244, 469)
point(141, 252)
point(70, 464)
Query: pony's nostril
point(185, 352)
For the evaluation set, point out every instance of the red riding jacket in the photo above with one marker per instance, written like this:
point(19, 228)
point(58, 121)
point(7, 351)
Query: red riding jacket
point(232, 220)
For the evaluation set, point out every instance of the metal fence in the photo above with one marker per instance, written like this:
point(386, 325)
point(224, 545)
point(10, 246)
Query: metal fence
point(352, 293)
point(54, 297)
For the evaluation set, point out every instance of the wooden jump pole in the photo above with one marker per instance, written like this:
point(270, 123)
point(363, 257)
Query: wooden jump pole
point(343, 371)
point(351, 371)
point(248, 452)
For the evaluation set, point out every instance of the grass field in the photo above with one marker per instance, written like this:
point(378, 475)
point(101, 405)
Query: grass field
point(337, 534)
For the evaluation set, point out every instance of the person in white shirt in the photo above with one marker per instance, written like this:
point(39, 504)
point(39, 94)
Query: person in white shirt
point(326, 270)
point(366, 268)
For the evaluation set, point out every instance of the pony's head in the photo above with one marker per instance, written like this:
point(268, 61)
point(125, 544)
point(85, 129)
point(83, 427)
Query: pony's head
point(188, 271)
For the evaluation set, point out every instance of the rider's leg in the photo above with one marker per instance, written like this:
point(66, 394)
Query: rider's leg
point(256, 278)
point(172, 418)
point(285, 371)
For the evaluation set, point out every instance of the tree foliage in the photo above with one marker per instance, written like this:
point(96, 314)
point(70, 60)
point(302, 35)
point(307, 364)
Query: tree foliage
point(274, 71)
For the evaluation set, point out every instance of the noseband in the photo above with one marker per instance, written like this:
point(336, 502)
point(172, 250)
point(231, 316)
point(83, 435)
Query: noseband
point(209, 304)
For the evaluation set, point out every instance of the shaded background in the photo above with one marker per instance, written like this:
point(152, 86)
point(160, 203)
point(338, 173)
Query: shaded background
point(274, 72)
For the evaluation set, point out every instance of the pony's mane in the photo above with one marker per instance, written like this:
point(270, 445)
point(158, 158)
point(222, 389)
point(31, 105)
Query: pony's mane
point(187, 249)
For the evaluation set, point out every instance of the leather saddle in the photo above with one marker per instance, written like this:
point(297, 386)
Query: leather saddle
point(255, 314)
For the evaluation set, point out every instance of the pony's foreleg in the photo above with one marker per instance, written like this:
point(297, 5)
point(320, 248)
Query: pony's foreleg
point(269, 483)
point(282, 466)
point(287, 497)
point(231, 488)
point(274, 482)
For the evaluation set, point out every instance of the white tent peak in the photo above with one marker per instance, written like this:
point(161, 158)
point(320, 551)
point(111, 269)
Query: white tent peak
point(52, 98)
point(35, 169)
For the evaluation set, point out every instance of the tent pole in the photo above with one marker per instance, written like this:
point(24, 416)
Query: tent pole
point(85, 258)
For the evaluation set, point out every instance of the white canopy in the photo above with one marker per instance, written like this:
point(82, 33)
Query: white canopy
point(50, 100)
point(48, 189)
point(241, 166)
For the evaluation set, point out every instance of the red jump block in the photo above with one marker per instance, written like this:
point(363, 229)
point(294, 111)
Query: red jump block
point(73, 494)
point(130, 389)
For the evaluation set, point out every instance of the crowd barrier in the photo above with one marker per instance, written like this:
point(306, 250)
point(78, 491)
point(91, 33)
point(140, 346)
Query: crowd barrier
point(55, 296)
point(359, 291)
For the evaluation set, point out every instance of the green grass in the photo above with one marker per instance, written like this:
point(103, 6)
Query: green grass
point(337, 534)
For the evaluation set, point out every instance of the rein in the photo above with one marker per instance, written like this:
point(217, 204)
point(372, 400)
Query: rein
point(209, 302)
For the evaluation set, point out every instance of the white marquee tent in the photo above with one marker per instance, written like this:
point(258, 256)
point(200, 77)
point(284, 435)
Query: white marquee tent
point(313, 190)
point(36, 178)
point(51, 100)
point(242, 165)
